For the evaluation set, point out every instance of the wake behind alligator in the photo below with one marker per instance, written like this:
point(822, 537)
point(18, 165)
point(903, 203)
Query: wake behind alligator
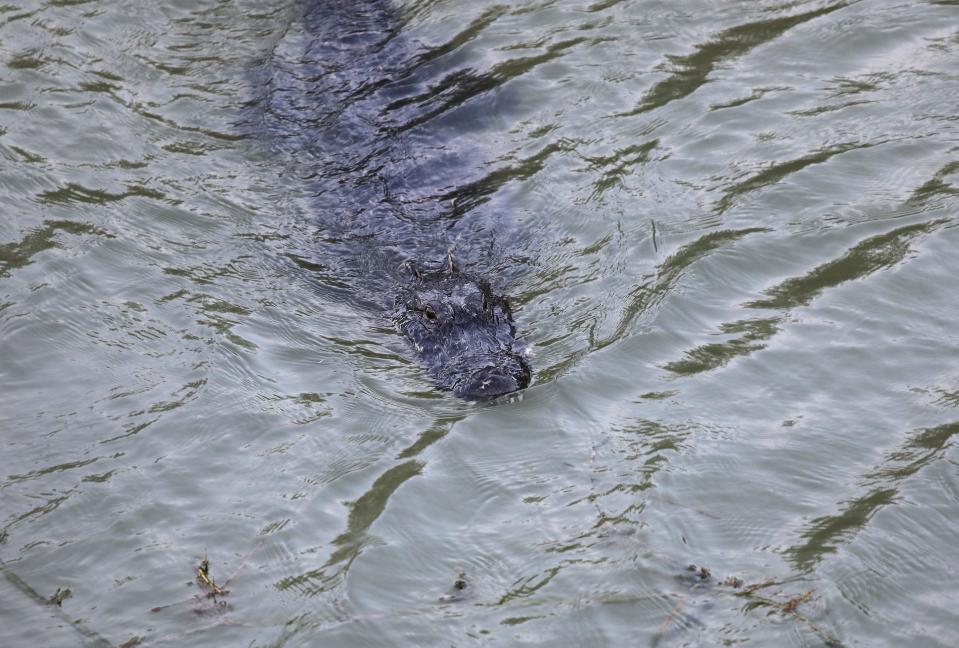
point(381, 128)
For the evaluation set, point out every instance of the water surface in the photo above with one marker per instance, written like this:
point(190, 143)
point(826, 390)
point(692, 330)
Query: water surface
point(728, 231)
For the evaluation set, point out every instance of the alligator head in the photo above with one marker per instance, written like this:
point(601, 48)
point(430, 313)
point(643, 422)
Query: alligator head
point(463, 334)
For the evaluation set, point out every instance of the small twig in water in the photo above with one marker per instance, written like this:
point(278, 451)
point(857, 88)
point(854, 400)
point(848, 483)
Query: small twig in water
point(246, 558)
point(793, 603)
point(203, 578)
point(675, 610)
point(789, 606)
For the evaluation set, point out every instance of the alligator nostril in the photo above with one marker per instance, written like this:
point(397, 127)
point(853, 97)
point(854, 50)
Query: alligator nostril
point(491, 382)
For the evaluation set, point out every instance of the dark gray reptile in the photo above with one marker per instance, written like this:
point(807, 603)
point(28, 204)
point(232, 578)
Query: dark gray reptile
point(382, 127)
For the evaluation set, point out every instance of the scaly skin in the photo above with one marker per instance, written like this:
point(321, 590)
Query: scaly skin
point(395, 180)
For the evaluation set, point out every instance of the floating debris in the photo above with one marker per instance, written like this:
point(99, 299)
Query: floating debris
point(460, 590)
point(793, 603)
point(789, 606)
point(62, 594)
point(206, 581)
point(204, 578)
point(701, 571)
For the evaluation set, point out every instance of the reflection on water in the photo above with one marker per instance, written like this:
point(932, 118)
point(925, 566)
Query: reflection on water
point(728, 232)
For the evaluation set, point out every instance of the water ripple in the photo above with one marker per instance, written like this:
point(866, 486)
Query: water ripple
point(728, 233)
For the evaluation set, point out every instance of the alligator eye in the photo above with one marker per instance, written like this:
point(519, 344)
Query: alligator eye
point(430, 313)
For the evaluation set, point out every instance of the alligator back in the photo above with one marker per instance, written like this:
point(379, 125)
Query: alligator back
point(379, 128)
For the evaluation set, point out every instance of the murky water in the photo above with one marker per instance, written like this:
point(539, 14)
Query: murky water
point(728, 231)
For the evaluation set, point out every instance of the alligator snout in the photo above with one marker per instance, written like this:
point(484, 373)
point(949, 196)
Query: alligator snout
point(490, 382)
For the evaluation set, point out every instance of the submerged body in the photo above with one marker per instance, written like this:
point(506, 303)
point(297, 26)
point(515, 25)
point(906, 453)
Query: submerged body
point(396, 185)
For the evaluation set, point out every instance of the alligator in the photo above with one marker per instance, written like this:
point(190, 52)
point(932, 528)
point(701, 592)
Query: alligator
point(380, 127)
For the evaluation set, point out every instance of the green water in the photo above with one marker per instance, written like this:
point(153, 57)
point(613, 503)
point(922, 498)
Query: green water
point(741, 303)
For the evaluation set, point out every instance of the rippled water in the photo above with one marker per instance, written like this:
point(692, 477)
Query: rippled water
point(728, 232)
